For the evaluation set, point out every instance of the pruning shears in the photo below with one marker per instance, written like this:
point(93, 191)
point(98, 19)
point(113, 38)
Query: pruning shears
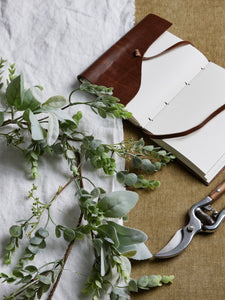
point(203, 218)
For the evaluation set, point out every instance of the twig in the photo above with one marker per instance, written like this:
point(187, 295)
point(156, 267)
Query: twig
point(70, 246)
point(65, 257)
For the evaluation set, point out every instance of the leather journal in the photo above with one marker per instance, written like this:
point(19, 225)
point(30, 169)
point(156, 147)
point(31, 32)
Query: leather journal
point(174, 93)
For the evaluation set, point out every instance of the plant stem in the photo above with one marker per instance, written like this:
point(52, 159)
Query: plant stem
point(10, 121)
point(70, 246)
point(65, 257)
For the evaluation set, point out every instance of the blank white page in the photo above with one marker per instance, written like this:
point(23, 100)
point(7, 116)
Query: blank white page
point(192, 105)
point(163, 77)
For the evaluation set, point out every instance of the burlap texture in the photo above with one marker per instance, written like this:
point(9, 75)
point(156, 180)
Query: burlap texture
point(200, 269)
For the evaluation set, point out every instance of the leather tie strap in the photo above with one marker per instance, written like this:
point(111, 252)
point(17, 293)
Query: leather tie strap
point(188, 131)
point(137, 52)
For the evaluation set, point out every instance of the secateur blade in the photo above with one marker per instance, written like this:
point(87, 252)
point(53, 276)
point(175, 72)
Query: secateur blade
point(200, 221)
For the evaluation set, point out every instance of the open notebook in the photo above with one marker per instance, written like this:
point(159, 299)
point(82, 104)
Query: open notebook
point(178, 90)
point(170, 93)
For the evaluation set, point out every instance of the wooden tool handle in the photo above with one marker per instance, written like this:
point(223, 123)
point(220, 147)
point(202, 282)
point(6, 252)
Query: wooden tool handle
point(220, 189)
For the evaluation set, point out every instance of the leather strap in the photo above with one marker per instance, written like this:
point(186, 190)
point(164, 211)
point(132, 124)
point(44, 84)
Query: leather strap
point(177, 45)
point(188, 131)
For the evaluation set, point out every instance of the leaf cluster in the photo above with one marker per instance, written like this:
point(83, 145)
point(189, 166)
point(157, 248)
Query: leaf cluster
point(35, 281)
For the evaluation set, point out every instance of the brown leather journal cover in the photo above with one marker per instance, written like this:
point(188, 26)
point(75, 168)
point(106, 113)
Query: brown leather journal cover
point(119, 67)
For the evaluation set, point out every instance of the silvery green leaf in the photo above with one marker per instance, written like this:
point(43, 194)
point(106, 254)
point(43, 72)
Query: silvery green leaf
point(70, 154)
point(110, 232)
point(104, 266)
point(154, 280)
point(130, 179)
point(15, 91)
point(56, 102)
point(167, 279)
point(53, 129)
point(1, 117)
point(127, 235)
point(132, 285)
point(143, 281)
point(126, 265)
point(36, 129)
point(142, 252)
point(117, 204)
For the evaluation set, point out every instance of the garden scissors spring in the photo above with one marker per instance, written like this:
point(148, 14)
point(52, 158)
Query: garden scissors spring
point(203, 218)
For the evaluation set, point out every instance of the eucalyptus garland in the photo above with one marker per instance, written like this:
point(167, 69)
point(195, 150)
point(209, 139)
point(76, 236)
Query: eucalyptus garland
point(37, 127)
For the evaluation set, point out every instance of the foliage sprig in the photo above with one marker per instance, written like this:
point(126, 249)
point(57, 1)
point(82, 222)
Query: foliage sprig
point(39, 126)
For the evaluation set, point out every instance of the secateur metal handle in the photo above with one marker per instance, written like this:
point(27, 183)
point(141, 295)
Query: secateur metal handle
point(199, 210)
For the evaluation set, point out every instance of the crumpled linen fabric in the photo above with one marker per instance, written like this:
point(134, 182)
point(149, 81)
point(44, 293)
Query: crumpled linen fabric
point(51, 42)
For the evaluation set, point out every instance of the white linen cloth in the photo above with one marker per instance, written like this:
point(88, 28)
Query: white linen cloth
point(51, 42)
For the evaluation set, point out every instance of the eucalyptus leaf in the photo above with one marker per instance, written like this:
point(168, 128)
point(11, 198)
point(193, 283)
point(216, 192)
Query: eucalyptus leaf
point(36, 129)
point(15, 91)
point(15, 231)
point(117, 204)
point(42, 232)
point(56, 102)
point(53, 129)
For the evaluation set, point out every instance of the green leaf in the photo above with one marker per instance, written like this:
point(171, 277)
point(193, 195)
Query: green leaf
point(69, 234)
point(132, 285)
point(31, 99)
point(98, 284)
point(108, 231)
point(44, 279)
point(167, 279)
point(77, 117)
point(42, 245)
point(137, 161)
point(142, 282)
point(36, 240)
point(53, 129)
point(154, 280)
point(70, 154)
point(56, 102)
point(1, 117)
point(18, 274)
point(31, 269)
point(42, 233)
point(15, 91)
point(127, 235)
point(11, 244)
point(57, 232)
point(130, 179)
point(15, 231)
point(36, 129)
point(29, 293)
point(33, 249)
point(120, 176)
point(57, 148)
point(117, 204)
